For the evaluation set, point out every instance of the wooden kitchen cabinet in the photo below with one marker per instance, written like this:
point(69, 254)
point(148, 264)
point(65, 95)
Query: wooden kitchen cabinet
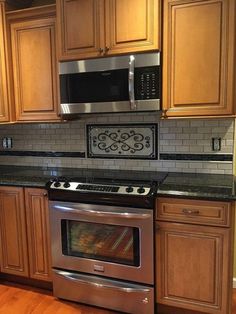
point(33, 56)
point(37, 216)
point(198, 57)
point(4, 100)
point(93, 28)
point(194, 260)
point(13, 240)
point(24, 233)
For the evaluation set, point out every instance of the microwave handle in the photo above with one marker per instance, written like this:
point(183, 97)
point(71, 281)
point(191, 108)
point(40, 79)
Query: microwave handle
point(133, 105)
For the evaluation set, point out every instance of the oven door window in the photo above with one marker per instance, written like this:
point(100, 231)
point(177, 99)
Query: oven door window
point(110, 243)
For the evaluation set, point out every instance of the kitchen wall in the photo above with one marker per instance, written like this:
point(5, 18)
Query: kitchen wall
point(184, 136)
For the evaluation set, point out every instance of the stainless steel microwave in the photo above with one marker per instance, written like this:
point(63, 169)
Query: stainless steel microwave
point(114, 84)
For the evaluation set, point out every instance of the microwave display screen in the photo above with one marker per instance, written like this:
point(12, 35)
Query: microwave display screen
point(94, 86)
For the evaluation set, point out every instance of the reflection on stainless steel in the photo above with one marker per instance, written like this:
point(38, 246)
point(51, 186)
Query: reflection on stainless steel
point(102, 211)
point(143, 273)
point(102, 253)
point(131, 83)
point(100, 292)
point(110, 63)
point(119, 106)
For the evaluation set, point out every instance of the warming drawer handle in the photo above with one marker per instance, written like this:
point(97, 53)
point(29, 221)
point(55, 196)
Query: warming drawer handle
point(91, 212)
point(188, 211)
point(71, 277)
point(131, 83)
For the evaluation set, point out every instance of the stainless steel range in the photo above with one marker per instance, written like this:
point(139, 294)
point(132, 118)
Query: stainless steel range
point(102, 242)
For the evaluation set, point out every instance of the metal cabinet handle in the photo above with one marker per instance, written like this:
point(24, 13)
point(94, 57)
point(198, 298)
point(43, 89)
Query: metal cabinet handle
point(188, 211)
point(45, 194)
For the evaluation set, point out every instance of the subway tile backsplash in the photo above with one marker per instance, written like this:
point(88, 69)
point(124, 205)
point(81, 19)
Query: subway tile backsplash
point(184, 136)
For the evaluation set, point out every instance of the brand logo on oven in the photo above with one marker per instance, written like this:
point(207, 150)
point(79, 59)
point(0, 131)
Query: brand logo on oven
point(99, 268)
point(106, 73)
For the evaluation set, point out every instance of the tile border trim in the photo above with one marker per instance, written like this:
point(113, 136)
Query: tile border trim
point(42, 154)
point(196, 157)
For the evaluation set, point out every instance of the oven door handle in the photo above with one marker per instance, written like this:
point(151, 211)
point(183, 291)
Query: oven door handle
point(94, 283)
point(109, 214)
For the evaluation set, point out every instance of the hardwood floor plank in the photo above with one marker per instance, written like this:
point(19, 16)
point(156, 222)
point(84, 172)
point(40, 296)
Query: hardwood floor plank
point(234, 302)
point(19, 299)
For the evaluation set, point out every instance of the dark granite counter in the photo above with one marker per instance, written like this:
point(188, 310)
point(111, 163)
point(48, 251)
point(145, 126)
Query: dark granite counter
point(186, 185)
point(204, 186)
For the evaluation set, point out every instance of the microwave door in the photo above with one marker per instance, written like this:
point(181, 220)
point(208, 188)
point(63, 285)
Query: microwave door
point(101, 88)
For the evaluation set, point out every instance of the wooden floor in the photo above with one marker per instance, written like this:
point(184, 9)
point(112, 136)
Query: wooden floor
point(18, 299)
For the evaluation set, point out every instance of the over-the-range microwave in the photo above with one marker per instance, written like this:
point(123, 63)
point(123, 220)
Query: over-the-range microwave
point(129, 83)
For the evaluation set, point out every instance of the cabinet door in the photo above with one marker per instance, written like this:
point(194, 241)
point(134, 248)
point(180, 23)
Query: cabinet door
point(34, 69)
point(36, 203)
point(198, 58)
point(81, 28)
point(14, 255)
point(193, 267)
point(132, 26)
point(4, 104)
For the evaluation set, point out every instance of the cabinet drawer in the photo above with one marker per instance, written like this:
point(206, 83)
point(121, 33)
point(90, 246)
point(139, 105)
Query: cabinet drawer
point(193, 211)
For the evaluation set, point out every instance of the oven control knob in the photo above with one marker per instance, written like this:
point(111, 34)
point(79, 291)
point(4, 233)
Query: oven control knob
point(66, 184)
point(57, 184)
point(129, 189)
point(140, 190)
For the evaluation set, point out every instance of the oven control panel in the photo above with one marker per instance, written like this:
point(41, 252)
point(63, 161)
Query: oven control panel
point(100, 188)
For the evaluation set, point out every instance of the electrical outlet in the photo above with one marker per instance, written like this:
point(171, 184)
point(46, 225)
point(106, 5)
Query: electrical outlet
point(7, 142)
point(216, 144)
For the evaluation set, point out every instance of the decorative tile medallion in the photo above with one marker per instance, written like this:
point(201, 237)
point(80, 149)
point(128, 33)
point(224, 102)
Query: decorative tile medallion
point(124, 141)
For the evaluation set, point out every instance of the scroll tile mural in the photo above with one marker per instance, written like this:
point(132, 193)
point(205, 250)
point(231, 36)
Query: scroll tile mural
point(126, 141)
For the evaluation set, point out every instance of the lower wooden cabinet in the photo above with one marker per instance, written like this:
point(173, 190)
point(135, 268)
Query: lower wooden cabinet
point(14, 252)
point(24, 233)
point(36, 202)
point(193, 262)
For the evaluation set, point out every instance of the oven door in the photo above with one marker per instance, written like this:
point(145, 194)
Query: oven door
point(110, 241)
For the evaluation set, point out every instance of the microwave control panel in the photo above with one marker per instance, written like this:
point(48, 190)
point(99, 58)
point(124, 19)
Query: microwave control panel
point(147, 83)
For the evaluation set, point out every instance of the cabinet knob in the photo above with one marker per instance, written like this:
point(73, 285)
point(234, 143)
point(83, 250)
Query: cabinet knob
point(101, 50)
point(45, 194)
point(107, 49)
point(157, 227)
point(190, 211)
point(164, 114)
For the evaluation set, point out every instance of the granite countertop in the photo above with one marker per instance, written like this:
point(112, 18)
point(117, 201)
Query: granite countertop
point(204, 186)
point(186, 185)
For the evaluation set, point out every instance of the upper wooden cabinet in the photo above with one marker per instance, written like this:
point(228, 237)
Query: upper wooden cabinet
point(198, 57)
point(33, 54)
point(4, 101)
point(92, 28)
